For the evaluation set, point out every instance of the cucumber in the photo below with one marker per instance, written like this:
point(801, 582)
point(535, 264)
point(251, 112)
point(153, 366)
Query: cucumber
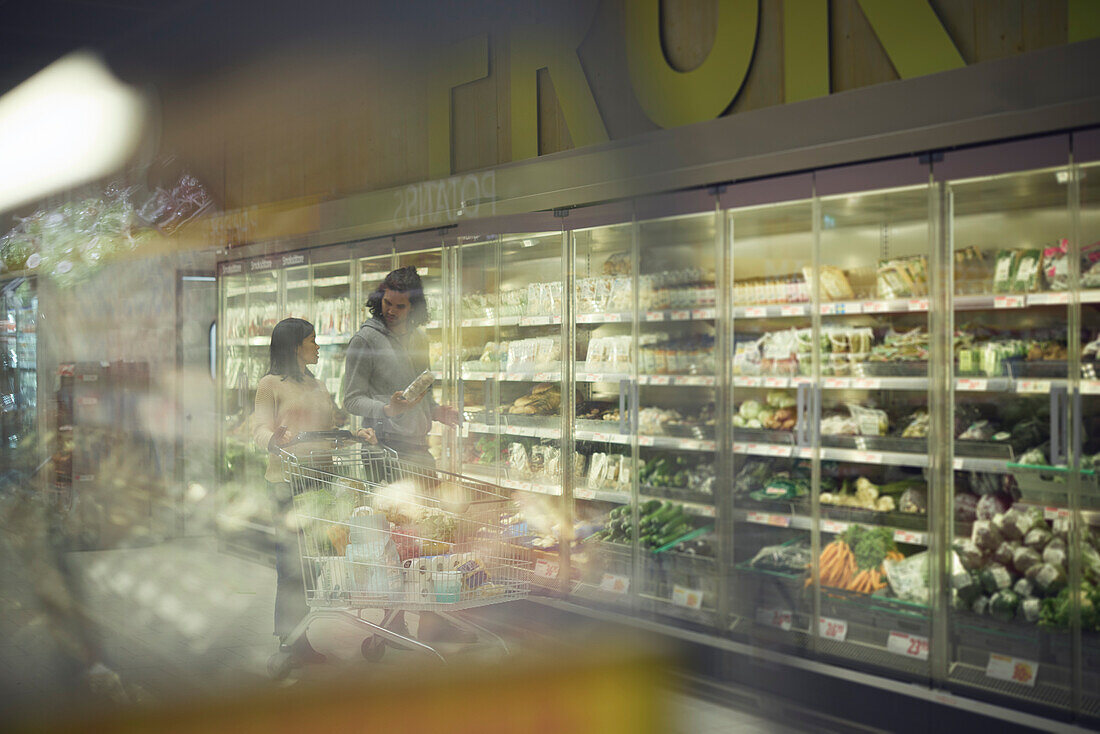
point(680, 530)
point(649, 506)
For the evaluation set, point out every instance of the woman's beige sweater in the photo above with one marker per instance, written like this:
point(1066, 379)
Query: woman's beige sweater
point(300, 406)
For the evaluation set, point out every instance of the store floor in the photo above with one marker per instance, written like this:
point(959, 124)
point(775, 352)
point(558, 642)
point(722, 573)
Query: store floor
point(183, 621)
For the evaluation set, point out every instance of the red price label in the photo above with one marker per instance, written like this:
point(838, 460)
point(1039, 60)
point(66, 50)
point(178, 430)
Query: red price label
point(972, 385)
point(1008, 302)
point(866, 384)
point(703, 314)
point(680, 315)
point(777, 618)
point(685, 597)
point(1090, 387)
point(834, 527)
point(835, 383)
point(654, 316)
point(913, 646)
point(868, 457)
point(547, 569)
point(613, 318)
point(746, 382)
point(776, 382)
point(919, 304)
point(756, 312)
point(876, 306)
point(779, 521)
point(645, 440)
point(904, 536)
point(659, 380)
point(614, 583)
point(1033, 386)
point(833, 629)
point(792, 310)
point(1003, 667)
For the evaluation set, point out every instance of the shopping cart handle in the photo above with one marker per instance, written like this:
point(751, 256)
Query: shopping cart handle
point(341, 435)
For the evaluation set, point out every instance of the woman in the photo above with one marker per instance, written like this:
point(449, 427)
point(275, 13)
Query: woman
point(289, 400)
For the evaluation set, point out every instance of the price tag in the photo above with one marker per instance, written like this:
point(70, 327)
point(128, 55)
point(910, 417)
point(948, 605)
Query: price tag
point(547, 376)
point(586, 318)
point(547, 569)
point(1033, 386)
point(866, 384)
point(868, 457)
point(705, 510)
point(876, 306)
point(513, 431)
point(756, 312)
point(918, 304)
point(792, 310)
point(1048, 299)
point(645, 440)
point(658, 379)
point(694, 380)
point(465, 430)
point(913, 646)
point(746, 382)
point(777, 382)
point(832, 629)
point(970, 385)
point(706, 445)
point(805, 453)
point(612, 318)
point(685, 597)
point(680, 315)
point(601, 437)
point(1090, 387)
point(583, 493)
point(703, 314)
point(835, 383)
point(775, 450)
point(778, 521)
point(84, 477)
point(1002, 667)
point(778, 618)
point(833, 526)
point(1008, 302)
point(904, 536)
point(828, 309)
point(654, 316)
point(1055, 513)
point(958, 464)
point(614, 583)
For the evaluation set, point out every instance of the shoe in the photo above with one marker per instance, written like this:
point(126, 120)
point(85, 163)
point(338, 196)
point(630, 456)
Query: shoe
point(437, 629)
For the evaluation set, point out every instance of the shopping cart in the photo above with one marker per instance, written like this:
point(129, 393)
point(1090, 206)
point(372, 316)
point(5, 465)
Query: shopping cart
point(377, 532)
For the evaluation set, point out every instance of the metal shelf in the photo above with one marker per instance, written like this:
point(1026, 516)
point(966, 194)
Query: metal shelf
point(835, 527)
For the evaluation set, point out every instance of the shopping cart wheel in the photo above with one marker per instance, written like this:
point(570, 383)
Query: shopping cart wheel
point(279, 665)
point(373, 648)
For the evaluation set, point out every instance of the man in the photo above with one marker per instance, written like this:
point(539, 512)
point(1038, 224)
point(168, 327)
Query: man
point(383, 358)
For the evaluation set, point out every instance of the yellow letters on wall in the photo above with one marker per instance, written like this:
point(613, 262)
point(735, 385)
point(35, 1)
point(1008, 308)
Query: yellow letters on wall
point(671, 98)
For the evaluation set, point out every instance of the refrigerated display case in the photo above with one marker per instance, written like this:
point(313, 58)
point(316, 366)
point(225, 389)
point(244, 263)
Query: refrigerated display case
point(19, 374)
point(848, 415)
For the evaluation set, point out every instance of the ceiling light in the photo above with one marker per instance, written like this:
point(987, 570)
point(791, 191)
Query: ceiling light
point(70, 123)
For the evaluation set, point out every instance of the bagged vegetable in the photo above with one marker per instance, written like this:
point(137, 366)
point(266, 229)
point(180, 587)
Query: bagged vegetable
point(913, 501)
point(985, 536)
point(1016, 524)
point(1024, 558)
point(1050, 579)
point(1055, 553)
point(981, 605)
point(995, 577)
point(970, 554)
point(1038, 537)
point(908, 578)
point(1005, 553)
point(1004, 271)
point(963, 582)
point(1056, 265)
point(1027, 272)
point(1003, 605)
point(1024, 587)
point(966, 507)
point(991, 505)
point(1029, 610)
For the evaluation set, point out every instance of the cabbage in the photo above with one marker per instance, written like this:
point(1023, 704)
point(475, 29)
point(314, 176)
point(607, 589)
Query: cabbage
point(750, 409)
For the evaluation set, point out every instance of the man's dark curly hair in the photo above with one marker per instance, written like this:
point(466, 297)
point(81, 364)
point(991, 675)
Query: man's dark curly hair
point(402, 280)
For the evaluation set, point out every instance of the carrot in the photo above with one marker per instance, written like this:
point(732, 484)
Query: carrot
point(830, 551)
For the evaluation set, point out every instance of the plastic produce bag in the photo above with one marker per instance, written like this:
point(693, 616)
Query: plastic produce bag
point(970, 554)
point(995, 577)
point(985, 535)
point(908, 578)
point(1024, 558)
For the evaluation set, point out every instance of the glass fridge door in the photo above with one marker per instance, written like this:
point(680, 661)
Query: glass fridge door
point(330, 308)
point(480, 354)
point(674, 412)
point(772, 380)
point(18, 375)
point(1009, 620)
point(1085, 551)
point(605, 373)
point(873, 286)
point(429, 266)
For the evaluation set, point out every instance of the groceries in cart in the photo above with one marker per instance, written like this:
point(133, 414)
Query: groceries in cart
point(382, 532)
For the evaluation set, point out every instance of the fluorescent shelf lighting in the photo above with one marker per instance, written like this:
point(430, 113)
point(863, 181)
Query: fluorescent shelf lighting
point(70, 123)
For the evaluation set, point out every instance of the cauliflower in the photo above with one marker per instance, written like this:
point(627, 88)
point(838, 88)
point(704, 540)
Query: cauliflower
point(866, 493)
point(884, 504)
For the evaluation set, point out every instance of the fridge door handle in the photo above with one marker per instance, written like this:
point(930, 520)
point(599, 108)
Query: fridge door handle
point(802, 407)
point(1059, 426)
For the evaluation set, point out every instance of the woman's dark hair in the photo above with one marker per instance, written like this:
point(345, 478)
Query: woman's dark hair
point(286, 337)
point(402, 280)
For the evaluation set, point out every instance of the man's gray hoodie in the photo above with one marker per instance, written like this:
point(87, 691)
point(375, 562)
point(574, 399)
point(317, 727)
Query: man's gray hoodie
point(378, 364)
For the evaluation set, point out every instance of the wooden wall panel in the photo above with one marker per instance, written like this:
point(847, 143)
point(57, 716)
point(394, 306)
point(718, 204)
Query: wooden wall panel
point(333, 122)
